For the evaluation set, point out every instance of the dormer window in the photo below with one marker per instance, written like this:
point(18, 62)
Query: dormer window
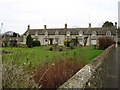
point(80, 33)
point(68, 34)
point(56, 33)
point(108, 33)
point(36, 34)
point(94, 33)
point(46, 33)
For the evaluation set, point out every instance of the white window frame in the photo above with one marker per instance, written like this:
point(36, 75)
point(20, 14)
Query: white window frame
point(68, 34)
point(94, 42)
point(80, 33)
point(108, 33)
point(46, 33)
point(56, 33)
point(94, 33)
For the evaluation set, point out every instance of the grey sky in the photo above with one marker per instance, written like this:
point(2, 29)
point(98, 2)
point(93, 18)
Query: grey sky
point(119, 14)
point(17, 14)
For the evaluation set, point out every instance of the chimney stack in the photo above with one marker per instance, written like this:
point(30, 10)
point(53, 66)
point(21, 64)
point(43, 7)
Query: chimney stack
point(45, 27)
point(65, 26)
point(115, 24)
point(28, 27)
point(89, 25)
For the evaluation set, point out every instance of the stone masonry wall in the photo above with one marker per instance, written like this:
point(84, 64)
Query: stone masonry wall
point(94, 74)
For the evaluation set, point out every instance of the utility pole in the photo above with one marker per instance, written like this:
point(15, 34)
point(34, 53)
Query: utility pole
point(1, 27)
point(116, 38)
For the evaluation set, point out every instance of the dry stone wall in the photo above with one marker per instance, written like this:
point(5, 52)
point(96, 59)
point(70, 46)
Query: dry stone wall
point(94, 74)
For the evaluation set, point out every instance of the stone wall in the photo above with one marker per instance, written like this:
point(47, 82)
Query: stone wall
point(94, 74)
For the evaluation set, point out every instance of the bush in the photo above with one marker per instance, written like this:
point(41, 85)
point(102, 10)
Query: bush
point(51, 49)
point(29, 41)
point(67, 43)
point(14, 76)
point(36, 43)
point(60, 48)
point(22, 46)
point(13, 43)
point(105, 42)
point(52, 76)
point(72, 45)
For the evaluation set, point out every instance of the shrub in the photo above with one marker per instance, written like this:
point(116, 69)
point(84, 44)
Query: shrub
point(36, 43)
point(67, 43)
point(72, 45)
point(105, 42)
point(14, 76)
point(60, 48)
point(22, 46)
point(51, 49)
point(13, 43)
point(52, 76)
point(29, 41)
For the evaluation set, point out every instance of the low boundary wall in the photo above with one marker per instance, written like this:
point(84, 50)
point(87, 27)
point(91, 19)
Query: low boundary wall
point(94, 74)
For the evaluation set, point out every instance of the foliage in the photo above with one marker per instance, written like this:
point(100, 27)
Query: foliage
point(51, 48)
point(61, 48)
point(13, 43)
point(14, 76)
point(36, 43)
point(72, 45)
point(29, 41)
point(22, 46)
point(67, 43)
point(105, 42)
point(14, 34)
point(108, 24)
point(52, 76)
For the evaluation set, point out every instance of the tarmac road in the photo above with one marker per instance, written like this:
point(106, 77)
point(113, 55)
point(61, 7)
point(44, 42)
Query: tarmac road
point(113, 80)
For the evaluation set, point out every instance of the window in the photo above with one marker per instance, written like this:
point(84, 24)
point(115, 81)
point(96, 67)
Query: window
point(34, 39)
point(36, 34)
point(80, 41)
point(46, 33)
point(56, 33)
point(94, 33)
point(93, 42)
point(108, 33)
point(68, 33)
point(80, 33)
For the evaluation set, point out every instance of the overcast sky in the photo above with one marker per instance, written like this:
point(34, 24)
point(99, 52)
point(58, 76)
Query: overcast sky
point(17, 14)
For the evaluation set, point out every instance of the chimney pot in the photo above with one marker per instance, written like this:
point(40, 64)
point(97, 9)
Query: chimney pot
point(116, 24)
point(65, 26)
point(89, 25)
point(45, 26)
point(28, 27)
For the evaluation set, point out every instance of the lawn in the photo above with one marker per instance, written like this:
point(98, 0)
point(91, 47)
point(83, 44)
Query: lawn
point(40, 55)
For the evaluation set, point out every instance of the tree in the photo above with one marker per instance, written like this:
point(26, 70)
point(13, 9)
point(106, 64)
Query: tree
point(14, 34)
point(29, 41)
point(108, 24)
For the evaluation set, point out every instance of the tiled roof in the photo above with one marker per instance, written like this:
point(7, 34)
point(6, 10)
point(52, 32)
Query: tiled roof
point(73, 31)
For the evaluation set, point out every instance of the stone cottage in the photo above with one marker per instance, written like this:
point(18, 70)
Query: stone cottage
point(52, 36)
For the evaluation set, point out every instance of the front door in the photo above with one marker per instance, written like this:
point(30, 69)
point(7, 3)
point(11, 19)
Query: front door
point(51, 41)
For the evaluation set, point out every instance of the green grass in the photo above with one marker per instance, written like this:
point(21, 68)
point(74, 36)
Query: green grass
point(40, 55)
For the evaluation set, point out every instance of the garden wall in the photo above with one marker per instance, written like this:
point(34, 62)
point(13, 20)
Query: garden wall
point(94, 74)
